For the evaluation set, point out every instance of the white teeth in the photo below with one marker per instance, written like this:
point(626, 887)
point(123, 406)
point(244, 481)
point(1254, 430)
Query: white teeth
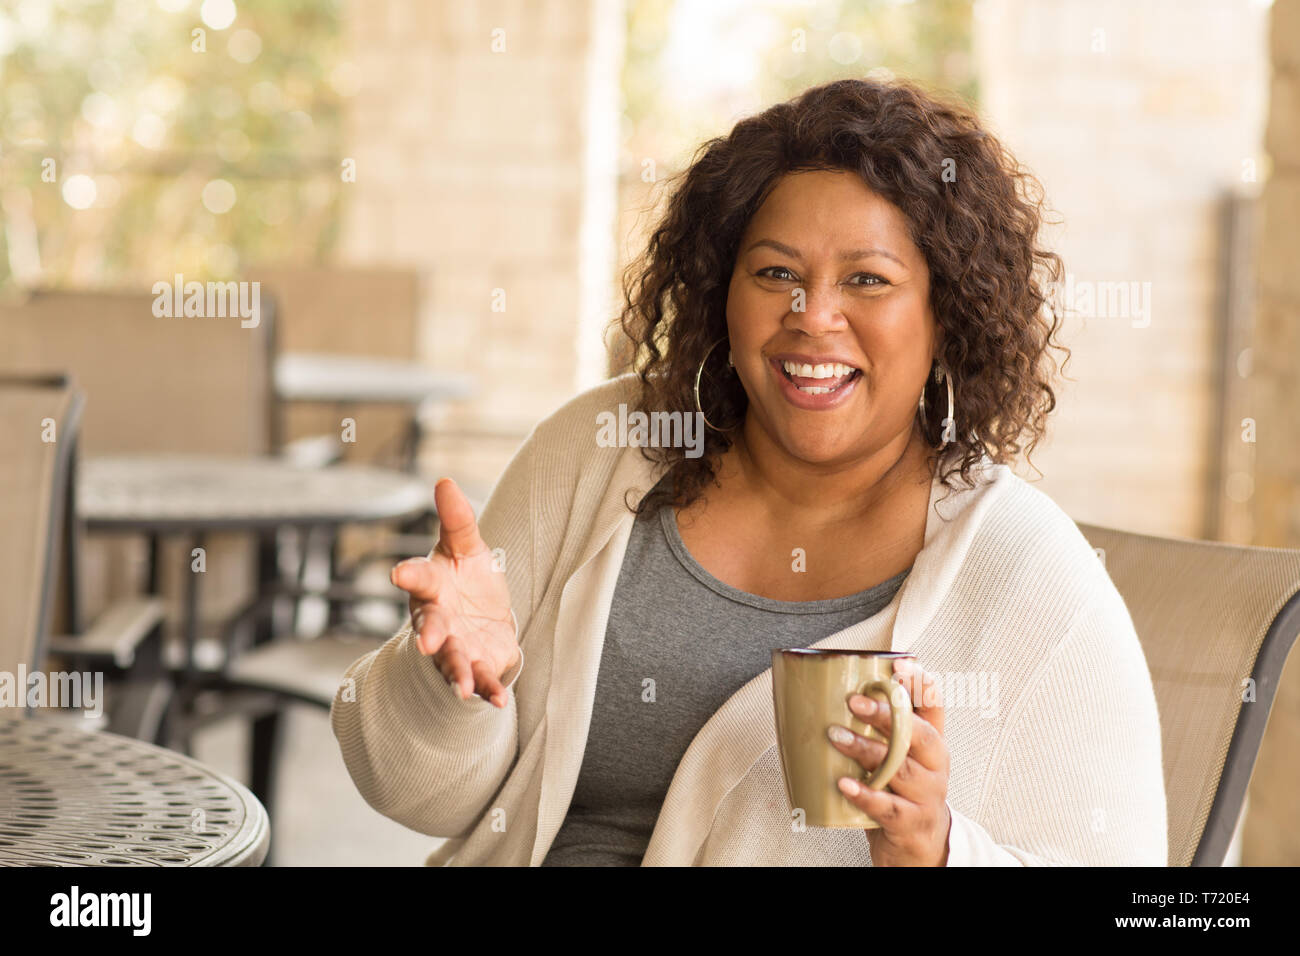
point(828, 370)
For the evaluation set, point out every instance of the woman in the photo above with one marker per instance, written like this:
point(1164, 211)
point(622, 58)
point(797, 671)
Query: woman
point(848, 290)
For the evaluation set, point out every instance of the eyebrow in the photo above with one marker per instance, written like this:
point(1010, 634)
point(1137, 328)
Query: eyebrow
point(844, 256)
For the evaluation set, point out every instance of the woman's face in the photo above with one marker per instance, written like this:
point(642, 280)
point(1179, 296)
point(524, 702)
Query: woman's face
point(828, 281)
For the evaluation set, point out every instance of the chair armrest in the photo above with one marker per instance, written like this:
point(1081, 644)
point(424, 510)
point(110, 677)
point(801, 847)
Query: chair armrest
point(337, 593)
point(116, 634)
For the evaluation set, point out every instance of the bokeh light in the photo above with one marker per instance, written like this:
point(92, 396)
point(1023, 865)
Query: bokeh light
point(218, 14)
point(219, 196)
point(245, 46)
point(79, 191)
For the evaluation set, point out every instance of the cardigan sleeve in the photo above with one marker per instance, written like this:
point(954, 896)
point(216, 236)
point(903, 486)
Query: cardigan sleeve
point(419, 754)
point(1077, 780)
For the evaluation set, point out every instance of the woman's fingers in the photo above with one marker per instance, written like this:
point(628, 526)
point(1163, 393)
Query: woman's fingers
point(469, 677)
point(895, 813)
point(433, 626)
point(926, 692)
point(927, 747)
point(465, 673)
point(487, 685)
point(419, 577)
point(455, 666)
point(912, 779)
point(458, 535)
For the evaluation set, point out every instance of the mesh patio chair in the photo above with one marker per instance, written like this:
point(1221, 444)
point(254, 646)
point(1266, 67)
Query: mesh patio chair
point(37, 425)
point(40, 417)
point(148, 380)
point(1216, 622)
point(352, 312)
point(152, 385)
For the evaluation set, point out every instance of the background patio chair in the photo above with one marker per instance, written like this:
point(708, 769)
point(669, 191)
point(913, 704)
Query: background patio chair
point(147, 381)
point(354, 312)
point(151, 386)
point(1216, 623)
point(39, 421)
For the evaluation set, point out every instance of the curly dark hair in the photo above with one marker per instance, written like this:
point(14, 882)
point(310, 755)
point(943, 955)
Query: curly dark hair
point(978, 231)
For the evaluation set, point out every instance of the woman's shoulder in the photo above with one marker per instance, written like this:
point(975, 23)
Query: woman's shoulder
point(578, 421)
point(570, 451)
point(1042, 550)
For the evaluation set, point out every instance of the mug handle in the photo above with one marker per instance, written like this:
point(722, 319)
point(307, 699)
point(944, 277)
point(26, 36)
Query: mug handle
point(900, 729)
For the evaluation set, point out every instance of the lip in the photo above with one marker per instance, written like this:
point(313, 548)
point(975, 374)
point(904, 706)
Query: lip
point(811, 403)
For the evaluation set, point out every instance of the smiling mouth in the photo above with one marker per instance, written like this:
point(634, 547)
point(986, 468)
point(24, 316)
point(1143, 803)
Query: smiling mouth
point(818, 379)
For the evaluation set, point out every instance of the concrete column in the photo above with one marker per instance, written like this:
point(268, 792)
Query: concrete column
point(485, 138)
point(1272, 832)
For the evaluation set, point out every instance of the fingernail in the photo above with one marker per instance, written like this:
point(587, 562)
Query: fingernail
point(839, 735)
point(849, 786)
point(867, 707)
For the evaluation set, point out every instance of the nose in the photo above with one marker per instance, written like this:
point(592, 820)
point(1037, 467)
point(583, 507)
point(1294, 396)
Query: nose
point(820, 312)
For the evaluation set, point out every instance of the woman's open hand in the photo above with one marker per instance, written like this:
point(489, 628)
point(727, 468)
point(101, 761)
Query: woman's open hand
point(460, 605)
point(914, 818)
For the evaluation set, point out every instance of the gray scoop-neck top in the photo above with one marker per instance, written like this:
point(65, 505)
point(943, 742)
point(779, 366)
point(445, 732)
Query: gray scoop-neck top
point(678, 643)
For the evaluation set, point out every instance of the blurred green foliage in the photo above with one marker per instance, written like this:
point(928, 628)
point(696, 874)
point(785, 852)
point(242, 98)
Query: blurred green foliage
point(693, 67)
point(118, 91)
point(787, 48)
point(126, 93)
point(928, 41)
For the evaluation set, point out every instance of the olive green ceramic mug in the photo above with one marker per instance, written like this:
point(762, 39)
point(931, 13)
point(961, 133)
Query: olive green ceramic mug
point(810, 691)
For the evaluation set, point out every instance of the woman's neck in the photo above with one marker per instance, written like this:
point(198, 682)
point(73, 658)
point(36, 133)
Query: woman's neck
point(756, 468)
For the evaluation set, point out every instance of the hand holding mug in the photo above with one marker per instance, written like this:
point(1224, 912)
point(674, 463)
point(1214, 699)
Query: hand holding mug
point(914, 818)
point(460, 605)
point(811, 690)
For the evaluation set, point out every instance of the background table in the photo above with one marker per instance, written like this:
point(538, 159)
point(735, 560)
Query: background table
point(72, 797)
point(311, 377)
point(195, 494)
point(151, 493)
point(344, 380)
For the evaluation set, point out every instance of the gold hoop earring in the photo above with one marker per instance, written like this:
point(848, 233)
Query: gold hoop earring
point(699, 372)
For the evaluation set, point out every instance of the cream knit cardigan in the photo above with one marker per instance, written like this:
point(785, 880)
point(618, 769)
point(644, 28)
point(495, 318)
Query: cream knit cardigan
point(1061, 766)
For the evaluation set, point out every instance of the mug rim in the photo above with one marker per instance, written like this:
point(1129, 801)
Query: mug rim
point(838, 652)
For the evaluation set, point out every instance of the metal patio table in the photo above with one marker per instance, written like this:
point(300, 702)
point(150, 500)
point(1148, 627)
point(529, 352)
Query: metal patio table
point(344, 380)
point(191, 495)
point(74, 797)
point(312, 377)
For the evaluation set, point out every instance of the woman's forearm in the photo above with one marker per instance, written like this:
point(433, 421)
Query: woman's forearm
point(417, 753)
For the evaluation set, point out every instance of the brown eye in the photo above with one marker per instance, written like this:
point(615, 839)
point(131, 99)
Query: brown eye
point(771, 269)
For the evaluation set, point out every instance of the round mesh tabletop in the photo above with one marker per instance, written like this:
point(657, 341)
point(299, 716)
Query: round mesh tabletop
point(72, 797)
